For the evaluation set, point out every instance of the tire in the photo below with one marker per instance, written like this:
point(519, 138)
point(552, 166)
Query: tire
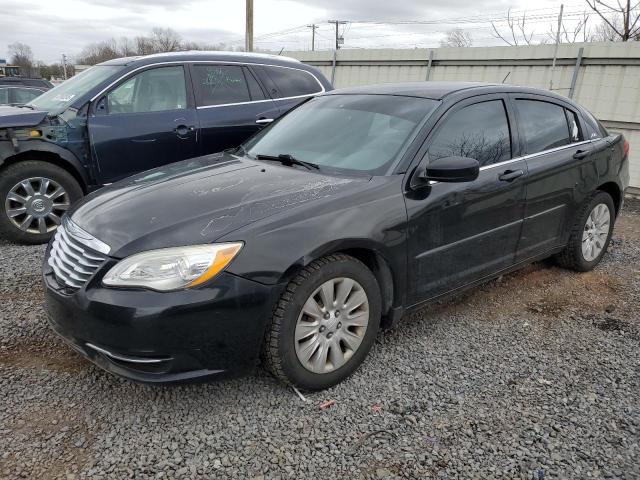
point(573, 257)
point(289, 323)
point(53, 190)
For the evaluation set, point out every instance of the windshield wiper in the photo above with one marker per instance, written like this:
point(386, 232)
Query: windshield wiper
point(287, 159)
point(26, 106)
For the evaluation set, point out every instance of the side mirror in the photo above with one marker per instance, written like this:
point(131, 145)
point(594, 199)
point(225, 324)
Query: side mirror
point(450, 169)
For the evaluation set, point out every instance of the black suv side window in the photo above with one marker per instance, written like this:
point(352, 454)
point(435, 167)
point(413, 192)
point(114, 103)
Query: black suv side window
point(479, 131)
point(221, 85)
point(292, 82)
point(544, 125)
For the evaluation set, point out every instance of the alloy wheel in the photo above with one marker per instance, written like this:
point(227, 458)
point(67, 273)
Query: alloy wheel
point(331, 325)
point(596, 231)
point(36, 204)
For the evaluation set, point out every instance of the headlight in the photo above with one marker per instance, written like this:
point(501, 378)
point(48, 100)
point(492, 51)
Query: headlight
point(172, 268)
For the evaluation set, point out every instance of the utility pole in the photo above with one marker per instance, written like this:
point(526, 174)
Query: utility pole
point(313, 28)
point(64, 65)
point(248, 38)
point(339, 39)
point(555, 51)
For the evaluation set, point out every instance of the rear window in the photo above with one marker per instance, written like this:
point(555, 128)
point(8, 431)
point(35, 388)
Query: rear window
point(292, 82)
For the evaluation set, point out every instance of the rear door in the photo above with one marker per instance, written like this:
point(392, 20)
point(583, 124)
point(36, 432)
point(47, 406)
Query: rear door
point(463, 232)
point(147, 120)
point(231, 103)
point(555, 151)
point(288, 86)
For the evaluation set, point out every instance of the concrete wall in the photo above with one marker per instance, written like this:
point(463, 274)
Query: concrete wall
point(607, 81)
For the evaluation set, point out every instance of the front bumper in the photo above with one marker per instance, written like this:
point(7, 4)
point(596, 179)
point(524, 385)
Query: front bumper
point(164, 336)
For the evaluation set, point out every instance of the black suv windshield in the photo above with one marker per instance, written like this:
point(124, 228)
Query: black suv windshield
point(361, 133)
point(57, 99)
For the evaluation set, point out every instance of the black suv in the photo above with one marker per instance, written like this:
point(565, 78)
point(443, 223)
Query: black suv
point(132, 114)
point(20, 90)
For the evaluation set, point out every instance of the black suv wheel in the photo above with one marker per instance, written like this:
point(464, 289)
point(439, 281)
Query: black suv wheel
point(33, 197)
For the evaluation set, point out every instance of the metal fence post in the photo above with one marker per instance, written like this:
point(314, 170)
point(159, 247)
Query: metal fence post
point(333, 68)
point(429, 65)
point(574, 78)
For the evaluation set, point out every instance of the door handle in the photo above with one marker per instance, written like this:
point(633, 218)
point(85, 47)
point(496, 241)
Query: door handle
point(581, 154)
point(510, 175)
point(264, 121)
point(184, 130)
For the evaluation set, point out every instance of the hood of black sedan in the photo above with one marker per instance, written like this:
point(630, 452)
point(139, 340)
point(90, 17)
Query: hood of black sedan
point(17, 117)
point(197, 201)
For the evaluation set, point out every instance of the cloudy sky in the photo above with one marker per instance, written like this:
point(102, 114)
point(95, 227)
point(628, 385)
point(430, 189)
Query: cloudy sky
point(66, 26)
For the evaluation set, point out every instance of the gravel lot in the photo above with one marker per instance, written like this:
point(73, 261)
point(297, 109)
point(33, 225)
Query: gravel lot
point(535, 375)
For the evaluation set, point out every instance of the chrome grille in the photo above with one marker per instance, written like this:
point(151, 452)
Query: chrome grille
point(73, 263)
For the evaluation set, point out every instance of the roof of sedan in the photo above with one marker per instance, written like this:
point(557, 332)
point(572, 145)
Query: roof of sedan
point(198, 55)
point(432, 90)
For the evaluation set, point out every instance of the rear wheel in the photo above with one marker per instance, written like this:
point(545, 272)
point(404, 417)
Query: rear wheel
point(324, 323)
point(33, 197)
point(590, 235)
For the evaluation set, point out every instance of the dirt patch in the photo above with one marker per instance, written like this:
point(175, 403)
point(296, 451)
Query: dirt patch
point(40, 356)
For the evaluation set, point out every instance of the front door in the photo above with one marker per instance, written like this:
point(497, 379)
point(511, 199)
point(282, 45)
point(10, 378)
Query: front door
point(145, 121)
point(462, 232)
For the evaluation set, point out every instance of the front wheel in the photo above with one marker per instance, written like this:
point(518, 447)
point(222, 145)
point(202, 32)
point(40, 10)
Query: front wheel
point(324, 323)
point(33, 197)
point(590, 235)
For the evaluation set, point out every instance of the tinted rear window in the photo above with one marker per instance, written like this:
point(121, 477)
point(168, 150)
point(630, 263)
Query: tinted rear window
point(543, 124)
point(292, 82)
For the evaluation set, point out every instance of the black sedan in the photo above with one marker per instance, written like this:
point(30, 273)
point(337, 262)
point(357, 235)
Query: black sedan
point(334, 221)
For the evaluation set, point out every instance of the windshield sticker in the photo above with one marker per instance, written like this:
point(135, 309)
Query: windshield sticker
point(64, 98)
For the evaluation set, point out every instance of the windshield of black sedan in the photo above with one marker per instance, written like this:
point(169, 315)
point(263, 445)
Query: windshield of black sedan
point(59, 98)
point(363, 133)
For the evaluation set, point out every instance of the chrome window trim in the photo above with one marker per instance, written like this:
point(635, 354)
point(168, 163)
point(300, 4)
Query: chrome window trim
point(533, 155)
point(527, 157)
point(221, 62)
point(24, 87)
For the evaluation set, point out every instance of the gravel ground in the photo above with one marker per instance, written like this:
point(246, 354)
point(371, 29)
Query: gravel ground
point(535, 375)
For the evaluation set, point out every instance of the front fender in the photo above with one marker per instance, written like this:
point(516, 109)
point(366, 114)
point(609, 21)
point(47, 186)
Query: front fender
point(372, 219)
point(24, 147)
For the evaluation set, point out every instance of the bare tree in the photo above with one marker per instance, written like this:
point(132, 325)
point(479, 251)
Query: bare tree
point(623, 19)
point(165, 40)
point(578, 33)
point(457, 38)
point(22, 56)
point(98, 52)
point(517, 27)
point(602, 32)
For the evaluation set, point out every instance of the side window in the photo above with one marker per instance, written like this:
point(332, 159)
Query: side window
point(24, 95)
point(254, 87)
point(292, 82)
point(4, 96)
point(574, 126)
point(220, 84)
point(153, 90)
point(544, 125)
point(479, 131)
